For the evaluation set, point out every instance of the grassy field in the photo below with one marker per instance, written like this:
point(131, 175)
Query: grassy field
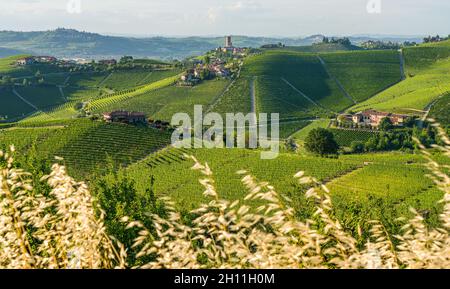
point(7, 64)
point(428, 78)
point(302, 134)
point(364, 73)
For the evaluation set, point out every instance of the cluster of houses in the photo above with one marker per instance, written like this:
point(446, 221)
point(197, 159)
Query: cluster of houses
point(31, 60)
point(133, 118)
point(373, 118)
point(35, 59)
point(216, 68)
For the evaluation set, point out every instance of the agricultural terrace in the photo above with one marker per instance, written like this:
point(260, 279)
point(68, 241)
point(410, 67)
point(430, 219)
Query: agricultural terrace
point(165, 102)
point(87, 146)
point(303, 74)
point(12, 106)
point(428, 78)
point(236, 98)
point(120, 80)
point(386, 188)
point(354, 180)
point(364, 73)
point(440, 110)
point(42, 97)
point(345, 137)
point(179, 182)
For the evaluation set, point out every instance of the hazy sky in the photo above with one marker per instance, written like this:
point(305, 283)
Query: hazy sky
point(218, 17)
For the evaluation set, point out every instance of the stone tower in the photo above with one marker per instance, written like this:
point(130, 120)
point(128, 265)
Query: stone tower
point(228, 42)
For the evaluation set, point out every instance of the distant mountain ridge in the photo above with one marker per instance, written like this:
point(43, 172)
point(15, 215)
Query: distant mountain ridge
point(73, 43)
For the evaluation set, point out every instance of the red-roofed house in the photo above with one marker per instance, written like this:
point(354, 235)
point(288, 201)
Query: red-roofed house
point(374, 118)
point(125, 117)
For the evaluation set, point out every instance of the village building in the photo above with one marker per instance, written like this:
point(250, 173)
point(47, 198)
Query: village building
point(373, 118)
point(45, 59)
point(125, 117)
point(107, 62)
point(229, 47)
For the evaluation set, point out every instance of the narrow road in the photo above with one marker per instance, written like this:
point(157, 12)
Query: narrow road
point(24, 100)
point(402, 65)
point(62, 93)
point(427, 112)
point(105, 79)
point(253, 102)
point(67, 80)
point(219, 96)
point(144, 79)
point(339, 84)
point(302, 94)
point(253, 94)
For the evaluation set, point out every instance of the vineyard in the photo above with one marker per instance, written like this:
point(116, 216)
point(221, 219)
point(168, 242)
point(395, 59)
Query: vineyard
point(13, 107)
point(364, 73)
point(101, 104)
point(304, 75)
point(178, 181)
point(87, 146)
point(440, 110)
point(276, 96)
point(22, 138)
point(346, 137)
point(427, 79)
point(42, 97)
point(235, 99)
point(395, 187)
point(165, 102)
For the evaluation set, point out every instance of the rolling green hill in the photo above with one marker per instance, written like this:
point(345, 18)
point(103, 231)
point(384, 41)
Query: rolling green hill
point(428, 77)
point(364, 73)
point(300, 73)
point(165, 102)
point(86, 145)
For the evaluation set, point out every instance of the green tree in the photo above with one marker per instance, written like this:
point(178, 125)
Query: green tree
point(357, 147)
point(386, 124)
point(321, 141)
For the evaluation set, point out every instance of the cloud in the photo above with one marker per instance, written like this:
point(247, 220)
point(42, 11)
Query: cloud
point(255, 17)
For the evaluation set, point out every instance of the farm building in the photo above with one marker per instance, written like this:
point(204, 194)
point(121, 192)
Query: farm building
point(374, 118)
point(125, 117)
point(25, 61)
